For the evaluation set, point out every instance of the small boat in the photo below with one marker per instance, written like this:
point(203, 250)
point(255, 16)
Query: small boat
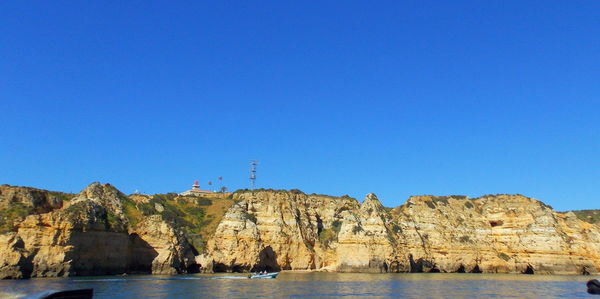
point(264, 276)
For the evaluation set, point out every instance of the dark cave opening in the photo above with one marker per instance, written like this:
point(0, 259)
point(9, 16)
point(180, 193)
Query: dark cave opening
point(319, 224)
point(267, 261)
point(529, 270)
point(495, 223)
point(476, 269)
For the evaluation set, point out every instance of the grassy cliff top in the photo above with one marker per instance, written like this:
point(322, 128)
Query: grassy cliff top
point(591, 216)
point(197, 216)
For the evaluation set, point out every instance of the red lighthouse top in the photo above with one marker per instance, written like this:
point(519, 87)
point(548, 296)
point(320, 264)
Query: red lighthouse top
point(196, 185)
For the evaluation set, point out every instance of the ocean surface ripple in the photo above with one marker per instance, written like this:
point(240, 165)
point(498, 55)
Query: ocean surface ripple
point(295, 284)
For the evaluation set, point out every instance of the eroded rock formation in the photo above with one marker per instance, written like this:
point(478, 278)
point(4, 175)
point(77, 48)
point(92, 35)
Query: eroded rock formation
point(496, 234)
point(101, 231)
point(91, 235)
point(491, 234)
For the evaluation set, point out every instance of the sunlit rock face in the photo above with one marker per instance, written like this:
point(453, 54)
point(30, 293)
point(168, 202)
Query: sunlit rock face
point(41, 201)
point(365, 242)
point(100, 231)
point(496, 234)
point(275, 230)
point(492, 234)
point(157, 244)
point(89, 235)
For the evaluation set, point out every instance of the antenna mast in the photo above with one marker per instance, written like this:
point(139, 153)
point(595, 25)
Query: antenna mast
point(253, 164)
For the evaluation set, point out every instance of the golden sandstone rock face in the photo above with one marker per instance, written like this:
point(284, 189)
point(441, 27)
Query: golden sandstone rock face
point(89, 235)
point(100, 231)
point(496, 234)
point(165, 249)
point(492, 234)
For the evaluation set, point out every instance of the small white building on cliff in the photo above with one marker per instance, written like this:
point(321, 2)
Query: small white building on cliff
point(195, 191)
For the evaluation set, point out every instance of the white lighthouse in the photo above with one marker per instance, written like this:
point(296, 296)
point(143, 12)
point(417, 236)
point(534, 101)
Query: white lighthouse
point(195, 191)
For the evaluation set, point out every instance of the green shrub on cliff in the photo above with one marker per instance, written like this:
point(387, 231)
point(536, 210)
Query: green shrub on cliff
point(163, 197)
point(396, 229)
point(336, 226)
point(172, 214)
point(187, 215)
point(251, 217)
point(197, 241)
point(111, 220)
point(75, 211)
point(15, 212)
point(26, 201)
point(465, 239)
point(590, 216)
point(357, 229)
point(133, 215)
point(430, 204)
point(60, 196)
point(197, 217)
point(146, 209)
point(503, 256)
point(441, 199)
point(328, 235)
point(204, 201)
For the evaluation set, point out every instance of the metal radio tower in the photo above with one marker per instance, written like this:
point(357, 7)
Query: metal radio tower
point(253, 164)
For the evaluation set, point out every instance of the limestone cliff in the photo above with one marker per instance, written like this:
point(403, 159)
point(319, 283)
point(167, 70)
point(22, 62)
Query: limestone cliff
point(493, 234)
point(101, 231)
point(18, 202)
point(277, 230)
point(89, 234)
point(162, 248)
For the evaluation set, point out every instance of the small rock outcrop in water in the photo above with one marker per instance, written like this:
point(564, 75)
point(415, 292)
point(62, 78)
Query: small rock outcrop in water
point(491, 234)
point(101, 231)
point(90, 235)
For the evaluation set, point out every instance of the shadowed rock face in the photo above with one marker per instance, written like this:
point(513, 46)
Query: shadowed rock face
point(90, 235)
point(490, 234)
point(267, 261)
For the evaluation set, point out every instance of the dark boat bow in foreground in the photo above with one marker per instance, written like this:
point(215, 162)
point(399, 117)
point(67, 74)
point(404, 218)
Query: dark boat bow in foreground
point(69, 294)
point(593, 287)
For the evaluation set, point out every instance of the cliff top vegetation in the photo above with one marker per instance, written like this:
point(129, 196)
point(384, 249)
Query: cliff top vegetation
point(591, 216)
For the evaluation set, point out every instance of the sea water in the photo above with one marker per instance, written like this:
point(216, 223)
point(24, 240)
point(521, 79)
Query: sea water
point(295, 284)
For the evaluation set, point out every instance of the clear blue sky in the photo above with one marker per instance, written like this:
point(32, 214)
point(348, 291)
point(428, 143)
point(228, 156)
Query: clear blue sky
point(398, 98)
